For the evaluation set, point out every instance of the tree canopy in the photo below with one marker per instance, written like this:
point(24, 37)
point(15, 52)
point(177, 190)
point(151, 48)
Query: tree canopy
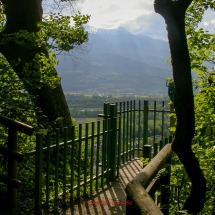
point(28, 47)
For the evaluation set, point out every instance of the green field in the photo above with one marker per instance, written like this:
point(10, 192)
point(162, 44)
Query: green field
point(84, 121)
point(89, 121)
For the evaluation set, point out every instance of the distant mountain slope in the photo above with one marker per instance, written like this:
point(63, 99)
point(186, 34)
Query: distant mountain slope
point(118, 62)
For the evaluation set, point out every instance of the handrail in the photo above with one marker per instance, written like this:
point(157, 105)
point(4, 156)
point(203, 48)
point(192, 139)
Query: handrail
point(136, 189)
point(13, 156)
point(156, 164)
point(16, 125)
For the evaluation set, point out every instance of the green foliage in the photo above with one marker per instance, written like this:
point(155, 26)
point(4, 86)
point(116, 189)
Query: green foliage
point(145, 161)
point(14, 99)
point(200, 42)
point(56, 33)
point(205, 105)
point(180, 183)
point(46, 74)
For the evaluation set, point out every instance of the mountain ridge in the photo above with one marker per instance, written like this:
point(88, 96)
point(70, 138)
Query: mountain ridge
point(118, 61)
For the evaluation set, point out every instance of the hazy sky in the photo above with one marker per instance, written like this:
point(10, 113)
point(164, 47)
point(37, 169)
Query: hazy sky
point(137, 16)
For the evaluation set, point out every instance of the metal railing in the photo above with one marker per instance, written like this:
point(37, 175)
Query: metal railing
point(72, 168)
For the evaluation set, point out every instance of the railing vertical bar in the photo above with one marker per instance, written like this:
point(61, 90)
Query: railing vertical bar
point(86, 158)
point(166, 140)
point(117, 147)
point(116, 107)
point(97, 154)
point(48, 143)
point(65, 164)
point(162, 120)
point(139, 108)
point(147, 152)
point(161, 145)
point(127, 131)
point(108, 151)
point(72, 163)
point(155, 108)
point(105, 109)
point(130, 132)
point(113, 142)
point(119, 143)
point(145, 130)
point(56, 166)
point(155, 149)
point(170, 139)
point(143, 125)
point(92, 158)
point(145, 133)
point(103, 152)
point(123, 140)
point(12, 168)
point(106, 112)
point(134, 125)
point(38, 172)
point(79, 159)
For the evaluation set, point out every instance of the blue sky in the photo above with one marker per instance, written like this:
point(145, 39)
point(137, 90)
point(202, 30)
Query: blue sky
point(137, 16)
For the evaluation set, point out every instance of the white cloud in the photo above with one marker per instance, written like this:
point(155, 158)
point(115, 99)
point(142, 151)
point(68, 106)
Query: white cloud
point(152, 25)
point(137, 16)
point(112, 13)
point(206, 23)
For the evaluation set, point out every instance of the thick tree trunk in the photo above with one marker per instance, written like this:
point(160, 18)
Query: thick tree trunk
point(174, 13)
point(24, 15)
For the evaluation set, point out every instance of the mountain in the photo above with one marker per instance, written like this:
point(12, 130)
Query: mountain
point(118, 62)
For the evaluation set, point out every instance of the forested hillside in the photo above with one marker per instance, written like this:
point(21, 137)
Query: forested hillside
point(117, 62)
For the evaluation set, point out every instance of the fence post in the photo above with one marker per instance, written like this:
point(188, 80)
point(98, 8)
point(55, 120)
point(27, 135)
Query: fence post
point(155, 149)
point(65, 164)
point(56, 166)
point(161, 145)
point(12, 168)
point(145, 123)
point(165, 193)
point(106, 112)
point(113, 142)
point(166, 140)
point(147, 152)
point(162, 128)
point(38, 172)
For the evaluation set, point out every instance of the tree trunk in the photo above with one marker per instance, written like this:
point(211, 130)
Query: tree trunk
point(174, 14)
point(24, 15)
